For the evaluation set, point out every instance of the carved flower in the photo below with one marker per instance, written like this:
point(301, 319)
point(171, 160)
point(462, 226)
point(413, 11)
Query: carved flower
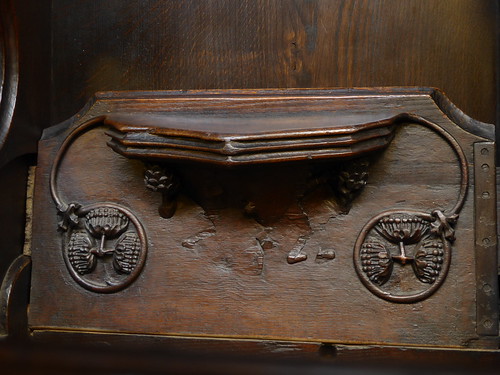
point(404, 228)
point(106, 221)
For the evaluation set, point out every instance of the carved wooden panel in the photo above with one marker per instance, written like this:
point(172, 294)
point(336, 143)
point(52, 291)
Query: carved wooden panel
point(313, 215)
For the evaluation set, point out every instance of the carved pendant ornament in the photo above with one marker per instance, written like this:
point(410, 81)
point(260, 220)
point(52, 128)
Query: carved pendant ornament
point(161, 180)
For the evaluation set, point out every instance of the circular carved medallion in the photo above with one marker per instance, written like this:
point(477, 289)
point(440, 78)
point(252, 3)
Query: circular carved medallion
point(105, 251)
point(402, 256)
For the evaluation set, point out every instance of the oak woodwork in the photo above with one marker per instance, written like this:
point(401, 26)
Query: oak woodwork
point(222, 44)
point(270, 222)
point(67, 50)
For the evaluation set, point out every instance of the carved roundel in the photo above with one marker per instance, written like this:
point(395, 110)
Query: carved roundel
point(401, 256)
point(105, 251)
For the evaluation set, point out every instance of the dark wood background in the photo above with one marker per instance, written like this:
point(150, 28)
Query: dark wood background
point(69, 49)
point(152, 45)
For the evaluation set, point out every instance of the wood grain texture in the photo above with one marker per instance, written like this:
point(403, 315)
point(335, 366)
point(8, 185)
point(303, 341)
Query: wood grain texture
point(201, 276)
point(153, 45)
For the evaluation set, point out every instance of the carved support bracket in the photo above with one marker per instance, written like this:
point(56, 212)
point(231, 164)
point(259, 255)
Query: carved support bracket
point(349, 180)
point(160, 179)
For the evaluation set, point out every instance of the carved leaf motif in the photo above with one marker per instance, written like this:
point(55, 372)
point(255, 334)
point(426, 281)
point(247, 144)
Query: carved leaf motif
point(106, 221)
point(79, 253)
point(159, 179)
point(408, 229)
point(127, 251)
point(376, 262)
point(428, 261)
point(354, 177)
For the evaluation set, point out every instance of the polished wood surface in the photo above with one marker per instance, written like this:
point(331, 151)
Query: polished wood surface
point(68, 50)
point(265, 251)
point(159, 45)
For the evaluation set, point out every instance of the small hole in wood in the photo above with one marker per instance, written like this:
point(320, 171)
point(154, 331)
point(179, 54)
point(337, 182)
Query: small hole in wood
point(327, 350)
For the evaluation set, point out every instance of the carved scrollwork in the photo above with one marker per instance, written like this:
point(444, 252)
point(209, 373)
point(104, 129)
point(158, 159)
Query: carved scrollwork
point(105, 245)
point(396, 238)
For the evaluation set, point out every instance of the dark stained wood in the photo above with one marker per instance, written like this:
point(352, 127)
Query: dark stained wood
point(13, 178)
point(24, 110)
point(298, 354)
point(273, 44)
point(24, 104)
point(69, 50)
point(64, 353)
point(9, 70)
point(257, 252)
point(14, 299)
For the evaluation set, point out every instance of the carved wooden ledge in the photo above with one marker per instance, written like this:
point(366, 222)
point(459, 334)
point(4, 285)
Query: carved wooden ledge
point(240, 139)
point(234, 139)
point(374, 183)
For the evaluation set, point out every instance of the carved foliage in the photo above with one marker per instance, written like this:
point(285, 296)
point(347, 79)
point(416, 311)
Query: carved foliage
point(428, 261)
point(105, 222)
point(376, 262)
point(349, 179)
point(104, 251)
point(404, 238)
point(162, 180)
point(127, 252)
point(79, 253)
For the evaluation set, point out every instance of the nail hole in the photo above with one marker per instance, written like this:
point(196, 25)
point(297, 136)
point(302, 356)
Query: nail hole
point(327, 350)
point(485, 195)
point(486, 241)
point(485, 167)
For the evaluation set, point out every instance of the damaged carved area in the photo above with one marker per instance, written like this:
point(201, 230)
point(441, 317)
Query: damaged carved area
point(273, 208)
